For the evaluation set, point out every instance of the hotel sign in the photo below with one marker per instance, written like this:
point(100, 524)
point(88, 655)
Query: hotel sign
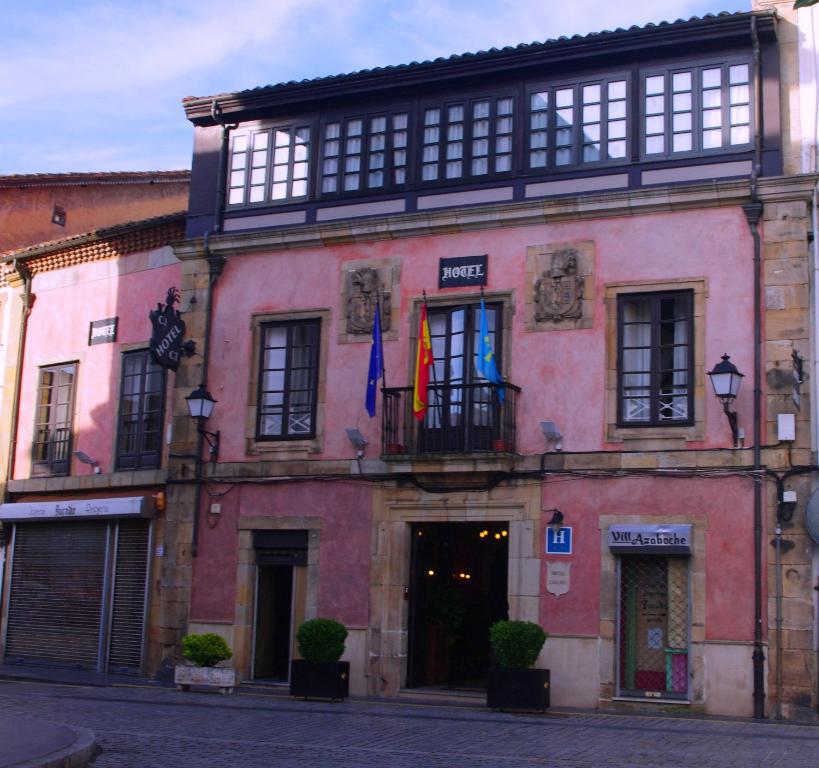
point(658, 539)
point(129, 506)
point(168, 332)
point(462, 270)
point(103, 331)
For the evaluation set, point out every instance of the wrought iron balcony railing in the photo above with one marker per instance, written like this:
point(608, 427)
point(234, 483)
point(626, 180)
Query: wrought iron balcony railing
point(461, 418)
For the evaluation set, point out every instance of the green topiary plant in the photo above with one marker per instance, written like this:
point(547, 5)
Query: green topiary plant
point(516, 644)
point(205, 650)
point(321, 640)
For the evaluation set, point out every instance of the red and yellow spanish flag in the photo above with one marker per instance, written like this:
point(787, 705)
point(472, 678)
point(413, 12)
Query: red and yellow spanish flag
point(423, 359)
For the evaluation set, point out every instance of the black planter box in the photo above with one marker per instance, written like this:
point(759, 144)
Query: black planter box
point(518, 689)
point(319, 680)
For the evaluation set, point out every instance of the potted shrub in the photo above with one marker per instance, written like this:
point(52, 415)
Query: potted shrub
point(512, 683)
point(204, 652)
point(319, 674)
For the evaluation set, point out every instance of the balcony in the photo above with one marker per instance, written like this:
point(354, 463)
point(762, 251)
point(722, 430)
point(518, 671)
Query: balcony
point(461, 418)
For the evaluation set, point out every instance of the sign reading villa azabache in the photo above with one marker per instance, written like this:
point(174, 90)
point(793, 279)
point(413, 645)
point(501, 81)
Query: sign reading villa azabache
point(462, 270)
point(661, 539)
point(168, 332)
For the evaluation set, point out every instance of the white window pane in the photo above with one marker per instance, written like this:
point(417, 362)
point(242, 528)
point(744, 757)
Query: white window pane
point(740, 134)
point(591, 94)
point(260, 140)
point(354, 127)
point(238, 161)
point(377, 142)
point(503, 163)
point(739, 94)
point(591, 114)
point(399, 139)
point(378, 124)
point(237, 178)
point(353, 146)
point(331, 148)
point(377, 160)
point(300, 152)
point(617, 129)
point(376, 179)
point(352, 164)
point(591, 133)
point(537, 159)
point(617, 109)
point(539, 100)
point(299, 170)
point(563, 157)
point(711, 78)
point(480, 147)
point(454, 151)
point(503, 144)
point(655, 84)
point(655, 145)
point(431, 135)
point(455, 132)
point(282, 138)
point(617, 149)
point(281, 155)
point(711, 139)
point(738, 73)
point(655, 124)
point(711, 99)
point(259, 158)
point(740, 115)
point(256, 194)
point(279, 174)
point(350, 182)
point(236, 196)
point(682, 121)
point(565, 117)
point(302, 135)
point(503, 125)
point(480, 166)
point(617, 90)
point(538, 140)
point(240, 143)
point(711, 118)
point(430, 154)
point(329, 184)
point(299, 187)
point(681, 81)
point(429, 172)
point(682, 102)
point(504, 106)
point(432, 117)
point(591, 152)
point(399, 157)
point(682, 142)
point(563, 137)
point(456, 113)
point(480, 128)
point(399, 122)
point(538, 120)
point(655, 105)
point(453, 170)
point(480, 109)
point(400, 175)
point(564, 97)
point(332, 131)
point(279, 191)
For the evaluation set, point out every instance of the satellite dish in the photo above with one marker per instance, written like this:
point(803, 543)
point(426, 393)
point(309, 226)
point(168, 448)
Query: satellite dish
point(812, 516)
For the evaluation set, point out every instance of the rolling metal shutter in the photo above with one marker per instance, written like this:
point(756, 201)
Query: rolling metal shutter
point(128, 605)
point(57, 584)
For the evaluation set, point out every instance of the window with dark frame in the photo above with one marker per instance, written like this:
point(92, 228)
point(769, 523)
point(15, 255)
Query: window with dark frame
point(51, 451)
point(655, 358)
point(288, 380)
point(141, 412)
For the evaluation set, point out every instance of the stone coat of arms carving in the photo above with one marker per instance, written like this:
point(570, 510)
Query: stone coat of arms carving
point(559, 290)
point(363, 288)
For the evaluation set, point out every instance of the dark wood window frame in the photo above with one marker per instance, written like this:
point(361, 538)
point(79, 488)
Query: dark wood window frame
point(673, 110)
point(139, 430)
point(656, 373)
point(54, 419)
point(292, 414)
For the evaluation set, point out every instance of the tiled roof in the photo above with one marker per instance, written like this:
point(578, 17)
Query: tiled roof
point(107, 243)
point(77, 179)
point(505, 51)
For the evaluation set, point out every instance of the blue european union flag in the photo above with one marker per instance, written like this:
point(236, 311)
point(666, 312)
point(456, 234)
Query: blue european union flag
point(376, 362)
point(485, 365)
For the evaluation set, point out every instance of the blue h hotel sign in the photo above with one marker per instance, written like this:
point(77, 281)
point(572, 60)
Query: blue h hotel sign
point(559, 542)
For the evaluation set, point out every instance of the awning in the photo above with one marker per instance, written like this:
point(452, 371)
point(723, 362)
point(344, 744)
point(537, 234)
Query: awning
point(129, 506)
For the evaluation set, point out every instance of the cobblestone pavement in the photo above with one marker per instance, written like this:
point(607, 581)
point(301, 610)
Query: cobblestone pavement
point(146, 727)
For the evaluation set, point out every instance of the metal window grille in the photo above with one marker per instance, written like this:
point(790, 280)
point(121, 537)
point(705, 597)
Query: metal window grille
point(653, 622)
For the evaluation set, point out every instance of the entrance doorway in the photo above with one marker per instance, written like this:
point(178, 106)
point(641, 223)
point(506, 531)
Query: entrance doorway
point(274, 622)
point(458, 589)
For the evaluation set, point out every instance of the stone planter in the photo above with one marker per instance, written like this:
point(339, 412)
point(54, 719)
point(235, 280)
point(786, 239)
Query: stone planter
point(518, 689)
point(320, 680)
point(223, 678)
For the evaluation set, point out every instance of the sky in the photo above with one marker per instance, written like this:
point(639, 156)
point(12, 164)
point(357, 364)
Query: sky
point(93, 85)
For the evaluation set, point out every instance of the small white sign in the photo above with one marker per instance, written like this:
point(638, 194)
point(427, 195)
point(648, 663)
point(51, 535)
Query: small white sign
point(557, 578)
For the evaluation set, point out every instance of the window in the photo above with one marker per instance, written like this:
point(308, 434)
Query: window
point(365, 153)
point(270, 165)
point(141, 410)
point(52, 430)
point(471, 139)
point(288, 380)
point(655, 358)
point(578, 124)
point(697, 109)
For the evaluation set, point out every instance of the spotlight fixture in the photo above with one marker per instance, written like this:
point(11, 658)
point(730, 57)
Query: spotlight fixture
point(556, 523)
point(86, 459)
point(357, 439)
point(553, 436)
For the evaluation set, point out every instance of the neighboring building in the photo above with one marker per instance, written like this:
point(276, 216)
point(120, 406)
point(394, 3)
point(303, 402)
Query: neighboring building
point(86, 418)
point(40, 207)
point(627, 192)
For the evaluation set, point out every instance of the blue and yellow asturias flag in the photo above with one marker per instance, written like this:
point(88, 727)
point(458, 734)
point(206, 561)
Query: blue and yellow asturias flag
point(485, 365)
point(376, 362)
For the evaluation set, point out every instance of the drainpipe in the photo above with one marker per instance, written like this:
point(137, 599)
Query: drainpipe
point(753, 212)
point(815, 378)
point(216, 264)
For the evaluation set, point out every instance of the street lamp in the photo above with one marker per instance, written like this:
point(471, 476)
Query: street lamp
point(200, 407)
point(725, 378)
